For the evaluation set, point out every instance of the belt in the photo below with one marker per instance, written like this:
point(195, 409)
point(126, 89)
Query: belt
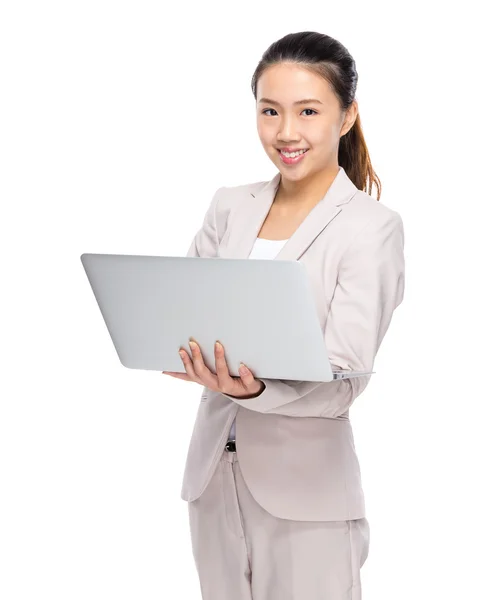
point(230, 446)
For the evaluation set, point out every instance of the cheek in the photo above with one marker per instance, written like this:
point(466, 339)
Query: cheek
point(264, 132)
point(324, 140)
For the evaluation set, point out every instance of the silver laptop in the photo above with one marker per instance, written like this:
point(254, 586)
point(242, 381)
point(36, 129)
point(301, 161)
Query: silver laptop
point(262, 311)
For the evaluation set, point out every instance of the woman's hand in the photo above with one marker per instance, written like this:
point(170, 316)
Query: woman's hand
point(243, 387)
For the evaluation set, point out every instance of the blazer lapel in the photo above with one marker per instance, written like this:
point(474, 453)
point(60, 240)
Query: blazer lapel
point(251, 213)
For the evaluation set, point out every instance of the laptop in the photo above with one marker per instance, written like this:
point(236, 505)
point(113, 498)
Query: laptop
point(262, 311)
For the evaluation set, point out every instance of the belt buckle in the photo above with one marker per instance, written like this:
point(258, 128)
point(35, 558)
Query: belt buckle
point(231, 446)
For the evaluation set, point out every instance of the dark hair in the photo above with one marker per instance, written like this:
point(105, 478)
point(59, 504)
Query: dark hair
point(327, 57)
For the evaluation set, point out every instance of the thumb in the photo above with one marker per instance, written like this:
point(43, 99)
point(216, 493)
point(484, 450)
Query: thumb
point(247, 378)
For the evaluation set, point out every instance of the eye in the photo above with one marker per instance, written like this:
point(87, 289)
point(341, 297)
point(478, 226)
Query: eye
point(266, 109)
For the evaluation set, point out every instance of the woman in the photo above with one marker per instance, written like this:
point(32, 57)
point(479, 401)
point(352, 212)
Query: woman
point(282, 516)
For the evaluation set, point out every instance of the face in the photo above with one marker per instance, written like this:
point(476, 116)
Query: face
point(284, 121)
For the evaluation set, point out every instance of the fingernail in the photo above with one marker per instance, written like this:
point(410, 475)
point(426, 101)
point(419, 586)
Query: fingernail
point(243, 369)
point(193, 345)
point(218, 345)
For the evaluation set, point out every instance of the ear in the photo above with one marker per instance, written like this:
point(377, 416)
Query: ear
point(350, 117)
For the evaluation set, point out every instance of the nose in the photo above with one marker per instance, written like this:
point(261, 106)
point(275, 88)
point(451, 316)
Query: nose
point(287, 132)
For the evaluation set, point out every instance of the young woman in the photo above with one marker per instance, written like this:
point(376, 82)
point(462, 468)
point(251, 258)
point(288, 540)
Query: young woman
point(282, 517)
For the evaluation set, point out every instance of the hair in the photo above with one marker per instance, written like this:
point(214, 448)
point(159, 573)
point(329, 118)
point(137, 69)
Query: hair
point(327, 57)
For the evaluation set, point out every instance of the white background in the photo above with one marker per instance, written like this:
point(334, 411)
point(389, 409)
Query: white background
point(119, 120)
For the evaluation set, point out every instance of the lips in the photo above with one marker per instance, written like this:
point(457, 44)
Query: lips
point(292, 161)
point(290, 151)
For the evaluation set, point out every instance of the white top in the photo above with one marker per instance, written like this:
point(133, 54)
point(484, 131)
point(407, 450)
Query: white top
point(264, 249)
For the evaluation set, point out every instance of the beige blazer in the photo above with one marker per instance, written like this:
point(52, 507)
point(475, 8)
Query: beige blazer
point(294, 442)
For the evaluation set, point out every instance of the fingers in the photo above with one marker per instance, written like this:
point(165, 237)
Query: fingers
point(196, 370)
point(247, 378)
point(226, 382)
point(188, 366)
point(196, 367)
point(183, 376)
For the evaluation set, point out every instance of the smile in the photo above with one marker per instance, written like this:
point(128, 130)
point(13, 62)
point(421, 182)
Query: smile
point(292, 158)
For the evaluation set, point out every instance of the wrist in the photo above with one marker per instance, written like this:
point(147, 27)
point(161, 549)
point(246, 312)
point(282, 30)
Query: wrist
point(255, 395)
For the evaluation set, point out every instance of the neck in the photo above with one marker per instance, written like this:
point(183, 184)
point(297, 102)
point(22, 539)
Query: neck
point(307, 191)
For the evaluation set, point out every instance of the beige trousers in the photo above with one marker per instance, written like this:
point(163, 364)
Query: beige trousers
point(242, 552)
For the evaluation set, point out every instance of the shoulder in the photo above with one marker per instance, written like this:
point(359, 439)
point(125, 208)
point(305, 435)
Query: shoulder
point(226, 198)
point(363, 212)
point(229, 195)
point(366, 209)
point(366, 217)
point(370, 222)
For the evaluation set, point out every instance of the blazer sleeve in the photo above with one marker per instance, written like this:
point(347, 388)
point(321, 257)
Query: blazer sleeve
point(206, 241)
point(370, 285)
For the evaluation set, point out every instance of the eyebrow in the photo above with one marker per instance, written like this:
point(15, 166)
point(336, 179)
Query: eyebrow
point(304, 101)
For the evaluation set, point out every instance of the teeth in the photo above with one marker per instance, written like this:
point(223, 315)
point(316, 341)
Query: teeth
point(293, 154)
